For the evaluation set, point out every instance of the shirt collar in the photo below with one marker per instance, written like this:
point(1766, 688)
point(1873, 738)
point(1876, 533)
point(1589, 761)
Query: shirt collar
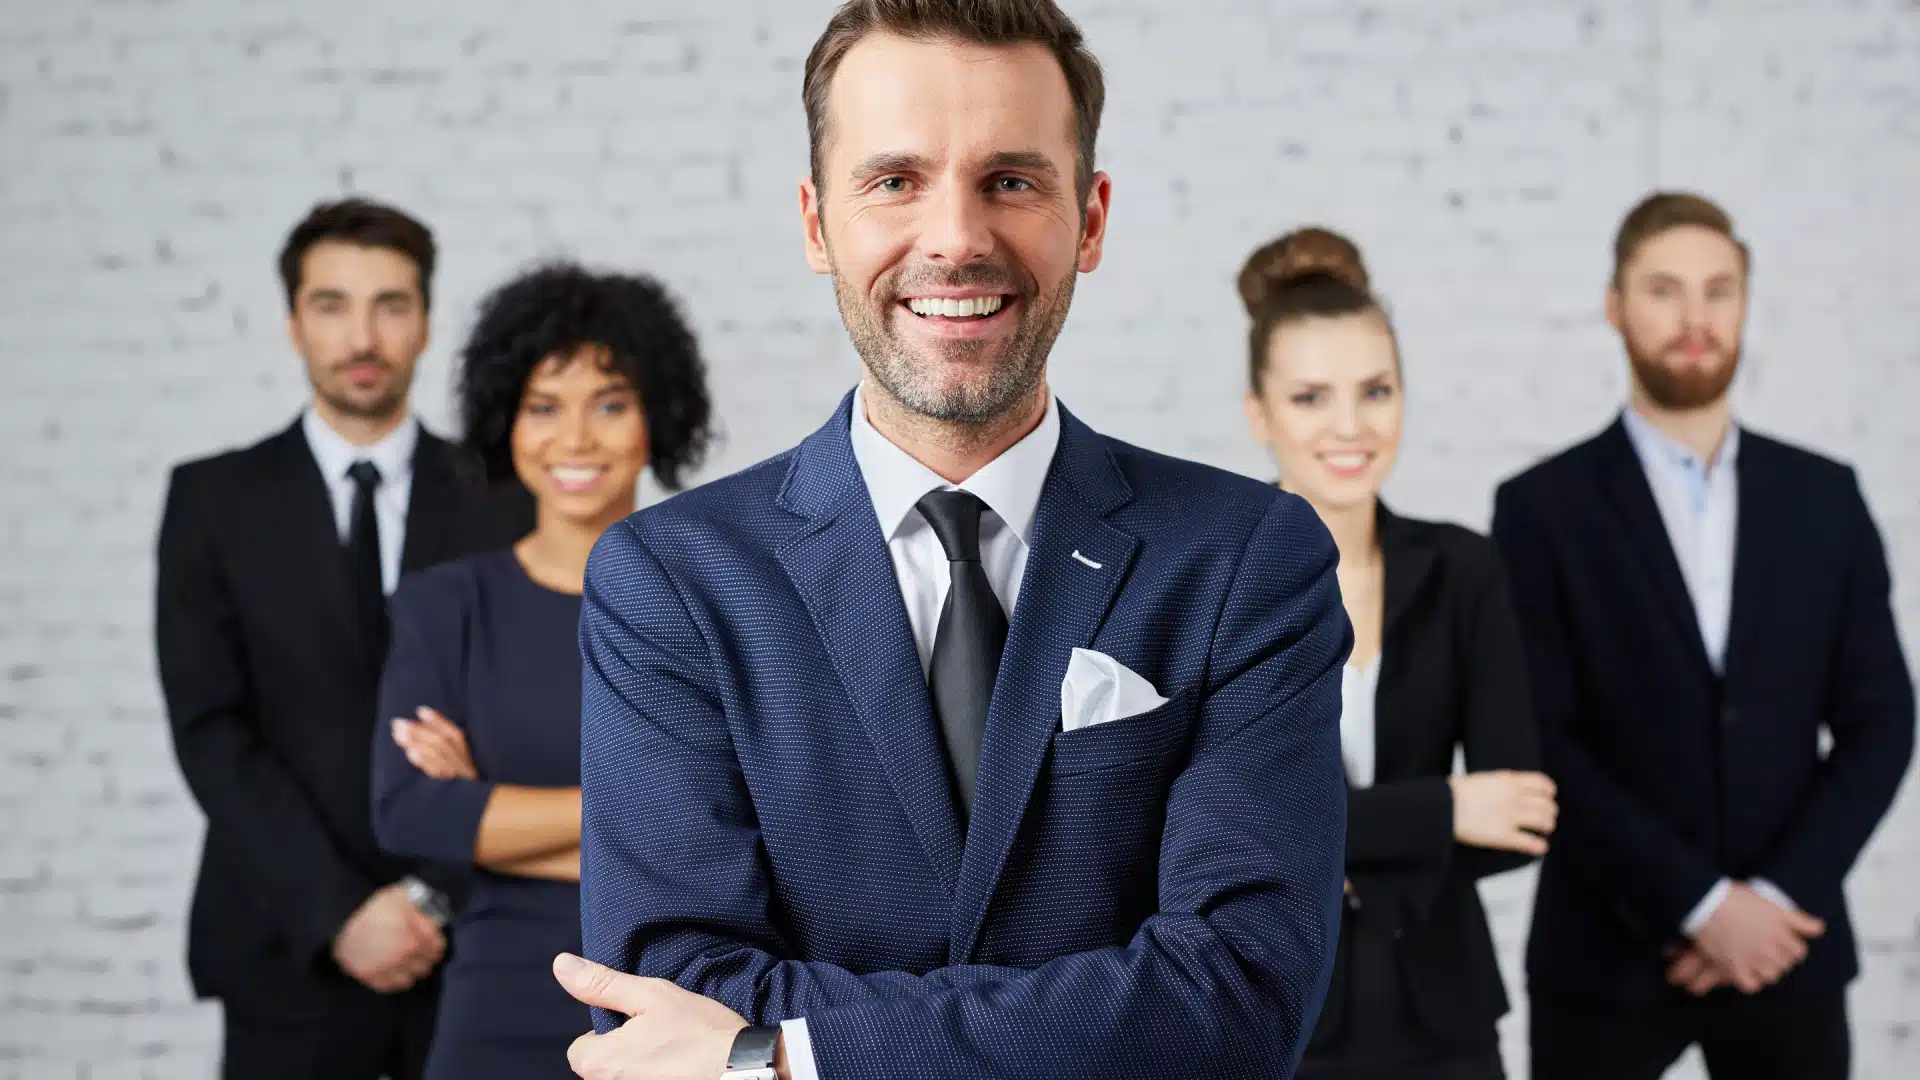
point(1009, 484)
point(392, 455)
point(1657, 448)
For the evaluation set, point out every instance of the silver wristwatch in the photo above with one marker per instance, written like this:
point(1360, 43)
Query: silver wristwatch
point(431, 901)
point(752, 1056)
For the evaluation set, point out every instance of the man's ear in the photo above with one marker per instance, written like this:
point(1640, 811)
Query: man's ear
point(816, 238)
point(1093, 236)
point(1613, 307)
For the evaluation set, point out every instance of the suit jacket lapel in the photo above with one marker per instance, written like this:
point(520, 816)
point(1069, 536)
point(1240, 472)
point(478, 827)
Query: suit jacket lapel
point(300, 510)
point(433, 504)
point(1626, 483)
point(1407, 564)
point(1755, 555)
point(1063, 601)
point(831, 562)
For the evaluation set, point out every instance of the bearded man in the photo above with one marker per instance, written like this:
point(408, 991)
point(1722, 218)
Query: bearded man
point(1702, 606)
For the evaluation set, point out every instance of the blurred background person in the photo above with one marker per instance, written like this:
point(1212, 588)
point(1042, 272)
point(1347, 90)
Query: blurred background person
point(1701, 603)
point(270, 623)
point(572, 382)
point(1436, 667)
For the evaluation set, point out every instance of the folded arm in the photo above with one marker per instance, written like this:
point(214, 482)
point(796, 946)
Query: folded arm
point(251, 799)
point(429, 799)
point(1228, 973)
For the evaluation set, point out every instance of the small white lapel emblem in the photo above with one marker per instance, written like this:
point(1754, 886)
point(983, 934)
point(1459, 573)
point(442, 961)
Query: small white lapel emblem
point(1084, 561)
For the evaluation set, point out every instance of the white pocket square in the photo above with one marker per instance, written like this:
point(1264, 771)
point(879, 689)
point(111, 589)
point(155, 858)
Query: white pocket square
point(1099, 688)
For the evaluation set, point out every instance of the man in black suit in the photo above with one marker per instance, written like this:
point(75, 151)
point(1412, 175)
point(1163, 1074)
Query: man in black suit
point(274, 565)
point(1702, 607)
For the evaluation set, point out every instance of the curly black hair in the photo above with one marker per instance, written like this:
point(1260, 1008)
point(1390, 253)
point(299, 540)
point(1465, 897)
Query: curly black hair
point(554, 310)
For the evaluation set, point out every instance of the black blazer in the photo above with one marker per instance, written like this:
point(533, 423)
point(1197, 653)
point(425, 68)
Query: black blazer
point(1452, 675)
point(1671, 776)
point(270, 691)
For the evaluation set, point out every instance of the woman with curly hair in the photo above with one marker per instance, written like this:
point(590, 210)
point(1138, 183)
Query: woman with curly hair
point(572, 383)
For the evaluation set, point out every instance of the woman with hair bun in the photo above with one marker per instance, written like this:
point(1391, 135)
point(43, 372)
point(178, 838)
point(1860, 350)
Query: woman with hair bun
point(1436, 668)
point(573, 383)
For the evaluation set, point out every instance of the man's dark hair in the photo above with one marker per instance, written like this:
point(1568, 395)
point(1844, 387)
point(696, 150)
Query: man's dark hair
point(979, 22)
point(364, 223)
point(556, 310)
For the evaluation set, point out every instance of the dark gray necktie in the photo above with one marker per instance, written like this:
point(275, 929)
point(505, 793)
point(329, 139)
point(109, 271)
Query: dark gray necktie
point(363, 560)
point(966, 647)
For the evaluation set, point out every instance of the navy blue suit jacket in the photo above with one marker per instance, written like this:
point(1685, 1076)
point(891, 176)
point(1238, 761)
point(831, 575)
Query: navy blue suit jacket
point(767, 816)
point(1670, 775)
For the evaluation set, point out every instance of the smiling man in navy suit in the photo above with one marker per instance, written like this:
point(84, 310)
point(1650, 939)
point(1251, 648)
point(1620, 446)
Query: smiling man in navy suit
point(960, 740)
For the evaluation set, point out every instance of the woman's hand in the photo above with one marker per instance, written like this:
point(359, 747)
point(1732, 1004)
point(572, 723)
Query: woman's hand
point(1509, 811)
point(435, 745)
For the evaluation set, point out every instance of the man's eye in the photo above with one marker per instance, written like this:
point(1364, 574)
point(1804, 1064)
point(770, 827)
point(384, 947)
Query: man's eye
point(893, 185)
point(1012, 184)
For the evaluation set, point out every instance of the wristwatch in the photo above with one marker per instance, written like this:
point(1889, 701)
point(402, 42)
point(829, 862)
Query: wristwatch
point(431, 901)
point(752, 1055)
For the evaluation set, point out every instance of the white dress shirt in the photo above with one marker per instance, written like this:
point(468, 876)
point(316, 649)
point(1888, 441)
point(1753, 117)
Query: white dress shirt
point(1359, 686)
point(393, 456)
point(1010, 486)
point(1700, 506)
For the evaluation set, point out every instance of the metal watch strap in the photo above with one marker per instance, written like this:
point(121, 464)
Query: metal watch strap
point(752, 1054)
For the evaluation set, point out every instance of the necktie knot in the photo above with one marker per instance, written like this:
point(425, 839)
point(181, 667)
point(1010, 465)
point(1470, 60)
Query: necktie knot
point(955, 517)
point(365, 475)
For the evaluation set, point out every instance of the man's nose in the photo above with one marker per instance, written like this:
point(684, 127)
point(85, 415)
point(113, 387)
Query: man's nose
point(956, 228)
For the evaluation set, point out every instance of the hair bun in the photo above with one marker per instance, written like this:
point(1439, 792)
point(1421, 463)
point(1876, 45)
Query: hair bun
point(1301, 254)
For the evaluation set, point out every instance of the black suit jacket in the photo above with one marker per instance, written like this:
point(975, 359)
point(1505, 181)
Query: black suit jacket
point(270, 690)
point(1671, 776)
point(1452, 675)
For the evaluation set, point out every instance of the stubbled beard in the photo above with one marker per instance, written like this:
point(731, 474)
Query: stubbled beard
point(914, 383)
point(1692, 388)
point(383, 407)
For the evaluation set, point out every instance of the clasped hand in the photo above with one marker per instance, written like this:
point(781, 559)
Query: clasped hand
point(1749, 943)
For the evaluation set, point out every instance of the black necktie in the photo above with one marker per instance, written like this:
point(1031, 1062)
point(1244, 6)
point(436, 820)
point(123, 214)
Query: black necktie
point(363, 560)
point(966, 647)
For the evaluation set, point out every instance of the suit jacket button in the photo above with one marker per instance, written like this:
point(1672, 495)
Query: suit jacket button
point(1729, 716)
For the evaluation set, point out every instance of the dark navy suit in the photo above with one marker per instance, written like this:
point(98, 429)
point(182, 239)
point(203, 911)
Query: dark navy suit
point(767, 812)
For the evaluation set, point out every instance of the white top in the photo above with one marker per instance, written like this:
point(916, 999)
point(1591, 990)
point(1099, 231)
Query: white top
point(1358, 688)
point(1010, 486)
point(393, 456)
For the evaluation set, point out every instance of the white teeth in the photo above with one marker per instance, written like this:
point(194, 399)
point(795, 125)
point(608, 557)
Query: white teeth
point(1345, 461)
point(955, 309)
point(573, 476)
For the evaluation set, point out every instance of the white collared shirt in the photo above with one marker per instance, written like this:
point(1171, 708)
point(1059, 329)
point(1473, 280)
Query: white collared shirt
point(1010, 486)
point(1700, 506)
point(393, 456)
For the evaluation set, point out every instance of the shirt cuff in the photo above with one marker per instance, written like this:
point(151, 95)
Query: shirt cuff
point(1772, 893)
point(799, 1049)
point(1708, 904)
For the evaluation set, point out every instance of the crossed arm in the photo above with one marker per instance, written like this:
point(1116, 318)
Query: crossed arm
point(1226, 977)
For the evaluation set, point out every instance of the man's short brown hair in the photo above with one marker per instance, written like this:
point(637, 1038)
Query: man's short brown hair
point(1665, 210)
point(979, 22)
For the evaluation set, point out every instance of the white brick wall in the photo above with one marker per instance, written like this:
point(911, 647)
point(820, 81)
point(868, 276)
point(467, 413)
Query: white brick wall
point(152, 156)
